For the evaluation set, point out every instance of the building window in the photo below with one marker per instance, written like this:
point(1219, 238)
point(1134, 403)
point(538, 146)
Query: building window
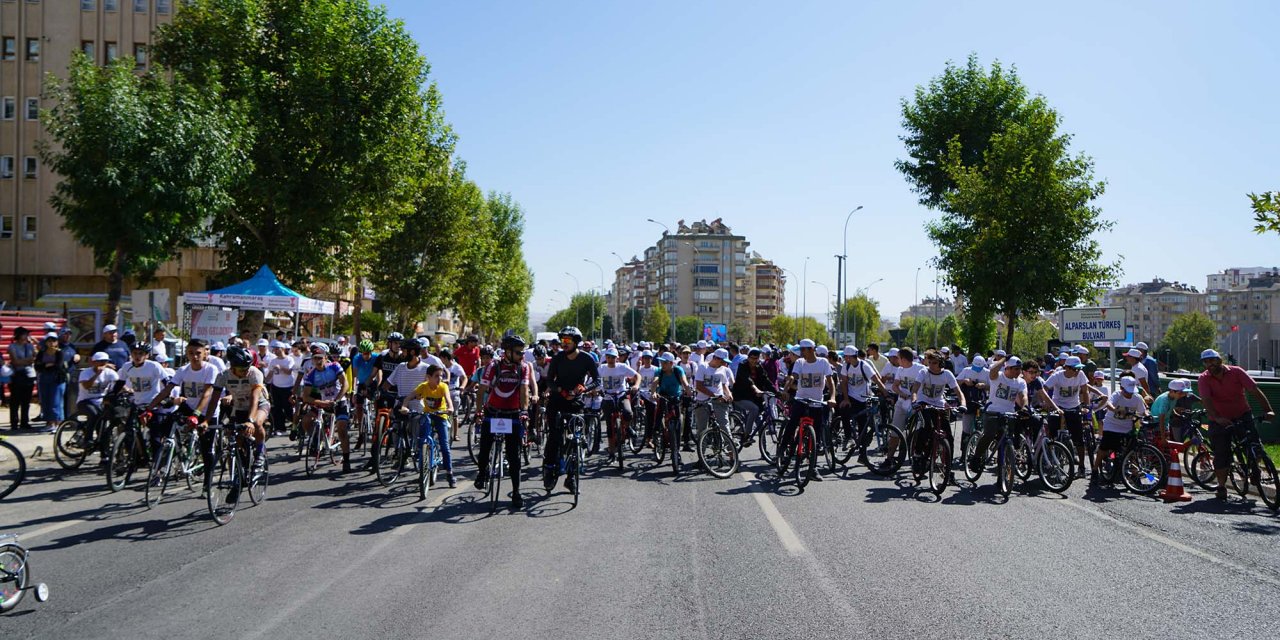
point(140, 6)
point(10, 106)
point(28, 227)
point(6, 227)
point(10, 51)
point(706, 308)
point(30, 167)
point(110, 5)
point(86, 47)
point(162, 6)
point(706, 268)
point(6, 166)
point(33, 49)
point(88, 5)
point(33, 109)
point(140, 55)
point(706, 282)
point(111, 51)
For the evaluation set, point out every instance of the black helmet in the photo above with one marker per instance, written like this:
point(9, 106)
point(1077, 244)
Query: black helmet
point(141, 345)
point(539, 351)
point(571, 332)
point(238, 356)
point(395, 336)
point(512, 342)
point(486, 350)
point(411, 345)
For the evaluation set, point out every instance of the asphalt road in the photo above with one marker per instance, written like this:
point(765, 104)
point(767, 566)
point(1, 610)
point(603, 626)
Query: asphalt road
point(644, 555)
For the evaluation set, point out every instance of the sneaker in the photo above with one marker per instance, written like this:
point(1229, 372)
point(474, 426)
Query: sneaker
point(346, 467)
point(482, 482)
point(233, 494)
point(569, 484)
point(293, 436)
point(449, 476)
point(517, 502)
point(548, 478)
point(1221, 493)
point(814, 476)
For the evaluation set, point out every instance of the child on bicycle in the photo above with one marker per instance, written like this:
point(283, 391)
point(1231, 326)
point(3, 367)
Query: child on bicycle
point(436, 403)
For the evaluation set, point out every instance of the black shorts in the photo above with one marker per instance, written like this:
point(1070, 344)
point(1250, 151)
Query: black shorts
point(1112, 441)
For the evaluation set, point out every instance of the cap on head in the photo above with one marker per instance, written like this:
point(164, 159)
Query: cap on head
point(979, 361)
point(667, 357)
point(646, 354)
point(1143, 346)
point(1074, 363)
point(1179, 385)
point(101, 356)
point(794, 349)
point(109, 328)
point(1098, 375)
point(1080, 350)
point(1129, 384)
point(50, 326)
point(721, 353)
point(1013, 363)
point(1208, 354)
point(218, 346)
point(850, 350)
point(263, 342)
point(892, 352)
point(1133, 353)
point(611, 352)
point(1000, 353)
point(702, 344)
point(822, 350)
point(946, 350)
point(807, 344)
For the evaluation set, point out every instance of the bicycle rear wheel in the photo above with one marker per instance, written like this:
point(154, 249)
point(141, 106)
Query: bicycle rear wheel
point(13, 561)
point(769, 435)
point(844, 438)
point(1057, 466)
point(717, 453)
point(804, 452)
point(422, 461)
point(971, 450)
point(158, 476)
point(1143, 469)
point(1201, 471)
point(939, 466)
point(13, 468)
point(1268, 481)
point(258, 481)
point(886, 451)
point(192, 462)
point(575, 468)
point(71, 443)
point(495, 473)
point(388, 467)
point(473, 439)
point(1024, 459)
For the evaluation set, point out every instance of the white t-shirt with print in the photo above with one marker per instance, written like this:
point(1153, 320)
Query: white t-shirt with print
point(99, 388)
point(905, 376)
point(933, 387)
point(1120, 419)
point(857, 379)
point(811, 378)
point(145, 380)
point(1004, 393)
point(613, 380)
point(715, 379)
point(191, 383)
point(1065, 391)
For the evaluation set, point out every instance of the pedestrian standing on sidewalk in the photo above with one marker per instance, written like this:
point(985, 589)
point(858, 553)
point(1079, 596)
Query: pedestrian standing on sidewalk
point(22, 357)
point(51, 373)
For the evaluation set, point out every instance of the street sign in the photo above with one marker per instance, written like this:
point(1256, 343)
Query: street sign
point(1091, 324)
point(151, 305)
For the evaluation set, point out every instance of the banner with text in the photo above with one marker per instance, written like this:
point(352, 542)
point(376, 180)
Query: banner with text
point(213, 324)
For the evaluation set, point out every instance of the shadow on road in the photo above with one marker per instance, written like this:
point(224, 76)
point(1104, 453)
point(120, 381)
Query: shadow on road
point(146, 530)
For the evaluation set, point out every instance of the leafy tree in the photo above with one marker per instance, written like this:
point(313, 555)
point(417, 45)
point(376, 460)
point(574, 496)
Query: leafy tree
point(1031, 338)
point(342, 129)
point(579, 314)
point(607, 328)
point(948, 331)
point(966, 106)
point(920, 331)
point(688, 329)
point(1030, 203)
point(789, 330)
point(634, 317)
point(371, 322)
point(863, 317)
point(146, 163)
point(739, 333)
point(1188, 335)
point(1266, 211)
point(979, 327)
point(512, 282)
point(657, 324)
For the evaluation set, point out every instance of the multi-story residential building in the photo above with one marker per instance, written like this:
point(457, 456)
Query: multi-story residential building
point(1248, 320)
point(1234, 278)
point(37, 38)
point(702, 269)
point(929, 308)
point(629, 292)
point(1150, 307)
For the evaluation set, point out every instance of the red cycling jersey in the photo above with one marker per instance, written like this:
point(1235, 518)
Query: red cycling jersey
point(505, 381)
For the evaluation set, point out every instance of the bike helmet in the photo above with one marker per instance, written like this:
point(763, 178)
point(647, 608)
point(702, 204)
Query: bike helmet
point(365, 346)
point(319, 348)
point(395, 336)
point(411, 345)
point(239, 357)
point(137, 346)
point(571, 332)
point(486, 350)
point(512, 342)
point(539, 351)
point(424, 343)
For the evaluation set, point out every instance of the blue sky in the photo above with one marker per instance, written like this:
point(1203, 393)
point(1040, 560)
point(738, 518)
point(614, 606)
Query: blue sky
point(782, 117)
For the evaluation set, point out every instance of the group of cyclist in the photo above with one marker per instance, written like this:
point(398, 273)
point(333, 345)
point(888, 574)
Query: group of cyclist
point(278, 384)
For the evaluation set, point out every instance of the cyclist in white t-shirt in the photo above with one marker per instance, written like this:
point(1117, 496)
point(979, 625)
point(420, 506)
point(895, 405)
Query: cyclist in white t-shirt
point(1008, 394)
point(810, 381)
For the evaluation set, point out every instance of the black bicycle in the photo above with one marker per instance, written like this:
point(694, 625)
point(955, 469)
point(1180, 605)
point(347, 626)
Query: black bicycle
point(500, 428)
point(178, 458)
point(78, 436)
point(232, 472)
point(717, 450)
point(15, 574)
point(129, 450)
point(1138, 464)
point(1250, 465)
point(13, 468)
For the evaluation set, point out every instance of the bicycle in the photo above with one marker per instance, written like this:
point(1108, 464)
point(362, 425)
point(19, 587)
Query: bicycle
point(427, 456)
point(768, 427)
point(128, 449)
point(15, 574)
point(864, 425)
point(804, 444)
point(573, 429)
point(13, 468)
point(935, 462)
point(716, 448)
point(232, 471)
point(666, 431)
point(77, 436)
point(1250, 464)
point(179, 442)
point(1140, 464)
point(321, 443)
point(500, 426)
point(1005, 461)
point(1055, 461)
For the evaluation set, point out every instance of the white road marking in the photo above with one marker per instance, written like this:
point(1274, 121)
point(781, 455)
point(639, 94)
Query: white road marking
point(790, 541)
point(51, 528)
point(1151, 535)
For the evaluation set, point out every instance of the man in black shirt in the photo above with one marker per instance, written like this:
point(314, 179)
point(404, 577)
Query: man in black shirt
point(568, 373)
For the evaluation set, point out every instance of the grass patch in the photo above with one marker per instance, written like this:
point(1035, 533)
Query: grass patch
point(1273, 450)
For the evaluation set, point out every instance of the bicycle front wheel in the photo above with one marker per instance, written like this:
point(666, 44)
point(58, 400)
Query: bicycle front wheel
point(1025, 462)
point(1006, 470)
point(13, 562)
point(717, 453)
point(886, 451)
point(495, 474)
point(71, 444)
point(939, 466)
point(1201, 471)
point(119, 461)
point(804, 453)
point(1143, 469)
point(13, 468)
point(473, 440)
point(1267, 481)
point(844, 439)
point(769, 440)
point(1057, 466)
point(158, 477)
point(224, 487)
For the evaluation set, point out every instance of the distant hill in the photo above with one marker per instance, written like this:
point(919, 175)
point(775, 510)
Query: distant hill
point(538, 320)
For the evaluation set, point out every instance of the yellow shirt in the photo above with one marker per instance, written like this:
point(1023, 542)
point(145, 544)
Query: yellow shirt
point(433, 398)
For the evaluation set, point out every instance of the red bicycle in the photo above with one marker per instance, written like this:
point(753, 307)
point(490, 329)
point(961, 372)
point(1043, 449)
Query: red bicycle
point(804, 444)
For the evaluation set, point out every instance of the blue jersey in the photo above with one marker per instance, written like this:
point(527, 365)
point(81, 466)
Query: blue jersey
point(363, 367)
point(669, 383)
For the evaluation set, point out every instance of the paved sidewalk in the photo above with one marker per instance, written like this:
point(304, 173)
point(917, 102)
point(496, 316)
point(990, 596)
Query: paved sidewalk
point(35, 447)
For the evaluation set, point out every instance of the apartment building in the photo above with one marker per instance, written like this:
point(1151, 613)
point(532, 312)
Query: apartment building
point(1248, 320)
point(1150, 307)
point(1234, 278)
point(702, 269)
point(37, 38)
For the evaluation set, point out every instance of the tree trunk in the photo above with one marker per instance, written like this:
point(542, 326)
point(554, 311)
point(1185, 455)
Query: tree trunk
point(1011, 321)
point(115, 287)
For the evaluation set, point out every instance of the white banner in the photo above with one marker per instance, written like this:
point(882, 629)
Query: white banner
point(1091, 324)
point(213, 324)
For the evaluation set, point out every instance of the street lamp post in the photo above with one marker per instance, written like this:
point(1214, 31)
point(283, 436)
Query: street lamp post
point(830, 329)
point(844, 267)
point(599, 336)
point(915, 313)
point(866, 291)
point(804, 278)
point(795, 307)
point(630, 336)
point(677, 279)
point(593, 304)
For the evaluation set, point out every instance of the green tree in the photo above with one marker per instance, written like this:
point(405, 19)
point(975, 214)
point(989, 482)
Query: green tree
point(342, 128)
point(371, 322)
point(632, 324)
point(578, 314)
point(863, 318)
point(948, 331)
point(788, 330)
point(688, 329)
point(657, 324)
point(920, 331)
point(979, 327)
point(1187, 336)
point(145, 164)
point(607, 329)
point(739, 333)
point(512, 282)
point(1266, 211)
point(1031, 338)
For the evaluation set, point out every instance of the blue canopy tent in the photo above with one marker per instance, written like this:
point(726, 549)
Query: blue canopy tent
point(261, 292)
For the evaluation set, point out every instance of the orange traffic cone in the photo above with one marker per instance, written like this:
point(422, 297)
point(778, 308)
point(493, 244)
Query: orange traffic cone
point(1173, 488)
